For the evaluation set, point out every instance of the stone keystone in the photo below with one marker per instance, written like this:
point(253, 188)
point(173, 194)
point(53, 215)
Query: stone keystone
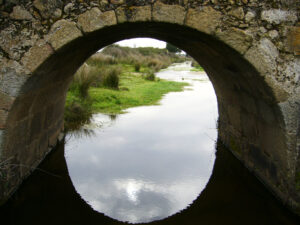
point(168, 13)
point(133, 14)
point(94, 19)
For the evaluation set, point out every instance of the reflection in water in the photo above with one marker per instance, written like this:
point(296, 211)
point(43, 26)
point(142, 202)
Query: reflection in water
point(232, 196)
point(153, 161)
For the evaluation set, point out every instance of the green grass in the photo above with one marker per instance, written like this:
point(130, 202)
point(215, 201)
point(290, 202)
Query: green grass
point(116, 79)
point(197, 69)
point(134, 91)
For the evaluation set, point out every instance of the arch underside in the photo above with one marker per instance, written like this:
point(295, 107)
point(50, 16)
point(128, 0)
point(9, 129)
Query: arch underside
point(250, 122)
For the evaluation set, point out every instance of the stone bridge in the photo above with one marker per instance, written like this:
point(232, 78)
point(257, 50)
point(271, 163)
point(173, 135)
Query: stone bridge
point(250, 50)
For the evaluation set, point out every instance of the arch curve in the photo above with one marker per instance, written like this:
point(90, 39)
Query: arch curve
point(253, 105)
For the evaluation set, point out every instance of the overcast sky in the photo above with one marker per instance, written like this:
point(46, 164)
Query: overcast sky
point(142, 42)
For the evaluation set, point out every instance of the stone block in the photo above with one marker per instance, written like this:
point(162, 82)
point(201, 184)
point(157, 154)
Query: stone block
point(263, 57)
point(168, 13)
point(236, 38)
point(49, 116)
point(53, 136)
point(1, 140)
point(293, 40)
point(133, 14)
point(6, 101)
point(272, 142)
point(278, 90)
point(234, 117)
point(94, 19)
point(277, 16)
point(20, 13)
point(3, 117)
point(237, 13)
point(43, 145)
point(36, 125)
point(249, 127)
point(36, 55)
point(21, 109)
point(62, 32)
point(204, 19)
point(48, 8)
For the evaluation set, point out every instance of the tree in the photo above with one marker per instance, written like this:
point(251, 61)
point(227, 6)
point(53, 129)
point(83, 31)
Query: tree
point(172, 48)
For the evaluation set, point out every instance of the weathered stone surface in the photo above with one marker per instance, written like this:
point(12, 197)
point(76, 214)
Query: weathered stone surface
point(292, 42)
point(249, 16)
point(237, 13)
point(236, 38)
point(11, 81)
point(68, 7)
point(3, 116)
point(1, 140)
point(277, 16)
point(48, 8)
point(133, 14)
point(117, 2)
point(6, 101)
point(168, 13)
point(94, 19)
point(263, 56)
point(292, 71)
point(279, 91)
point(36, 55)
point(205, 19)
point(19, 13)
point(62, 32)
point(273, 34)
point(14, 41)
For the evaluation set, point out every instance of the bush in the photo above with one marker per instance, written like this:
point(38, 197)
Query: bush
point(111, 77)
point(77, 113)
point(83, 79)
point(137, 66)
point(150, 76)
point(100, 59)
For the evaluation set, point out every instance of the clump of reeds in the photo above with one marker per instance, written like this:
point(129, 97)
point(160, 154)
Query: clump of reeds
point(150, 75)
point(111, 77)
point(77, 113)
point(83, 79)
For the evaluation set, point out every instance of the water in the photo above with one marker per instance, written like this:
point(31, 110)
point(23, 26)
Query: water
point(153, 161)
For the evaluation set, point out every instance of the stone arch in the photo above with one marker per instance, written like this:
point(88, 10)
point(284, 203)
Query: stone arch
point(253, 105)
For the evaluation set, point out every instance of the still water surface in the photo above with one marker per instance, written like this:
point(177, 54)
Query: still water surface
point(153, 161)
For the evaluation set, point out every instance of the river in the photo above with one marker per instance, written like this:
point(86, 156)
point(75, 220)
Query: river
point(154, 164)
point(153, 161)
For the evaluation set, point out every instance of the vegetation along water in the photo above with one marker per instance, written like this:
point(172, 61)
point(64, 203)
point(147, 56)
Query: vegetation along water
point(118, 78)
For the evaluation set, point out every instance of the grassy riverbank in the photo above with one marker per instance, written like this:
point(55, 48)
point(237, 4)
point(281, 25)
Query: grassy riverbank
point(116, 79)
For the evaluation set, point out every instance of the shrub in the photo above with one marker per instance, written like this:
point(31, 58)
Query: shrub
point(82, 80)
point(150, 76)
point(137, 66)
point(111, 77)
point(77, 113)
point(101, 59)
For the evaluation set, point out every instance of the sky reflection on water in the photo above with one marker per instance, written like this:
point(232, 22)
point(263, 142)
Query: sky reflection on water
point(152, 161)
